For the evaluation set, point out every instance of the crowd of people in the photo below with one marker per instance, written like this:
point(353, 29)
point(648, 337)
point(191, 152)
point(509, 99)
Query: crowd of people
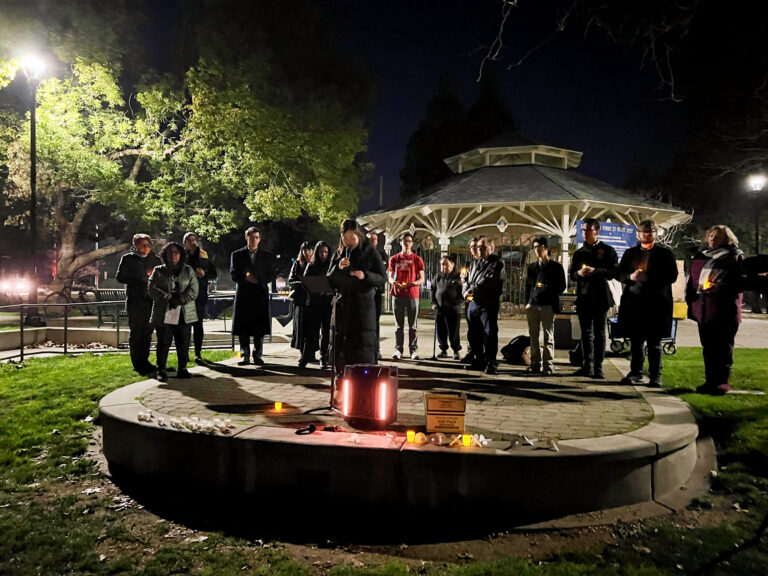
point(337, 301)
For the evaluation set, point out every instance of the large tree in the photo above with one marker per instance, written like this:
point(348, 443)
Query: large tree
point(242, 120)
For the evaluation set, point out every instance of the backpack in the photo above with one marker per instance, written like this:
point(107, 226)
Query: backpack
point(518, 351)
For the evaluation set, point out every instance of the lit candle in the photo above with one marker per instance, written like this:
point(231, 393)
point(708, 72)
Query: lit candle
point(278, 406)
point(466, 440)
point(411, 435)
point(539, 285)
point(584, 265)
point(464, 271)
point(707, 284)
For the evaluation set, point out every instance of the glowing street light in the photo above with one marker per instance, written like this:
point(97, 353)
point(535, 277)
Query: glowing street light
point(33, 67)
point(756, 183)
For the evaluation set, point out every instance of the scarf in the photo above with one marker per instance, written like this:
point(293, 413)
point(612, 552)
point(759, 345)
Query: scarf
point(709, 275)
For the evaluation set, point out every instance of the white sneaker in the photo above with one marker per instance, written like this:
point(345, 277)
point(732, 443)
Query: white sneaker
point(414, 355)
point(397, 355)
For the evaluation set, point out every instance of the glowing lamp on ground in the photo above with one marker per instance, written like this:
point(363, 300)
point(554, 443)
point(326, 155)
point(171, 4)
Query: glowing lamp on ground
point(466, 440)
point(411, 436)
point(366, 395)
point(278, 406)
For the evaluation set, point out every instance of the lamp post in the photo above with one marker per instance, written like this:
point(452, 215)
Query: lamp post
point(33, 69)
point(756, 183)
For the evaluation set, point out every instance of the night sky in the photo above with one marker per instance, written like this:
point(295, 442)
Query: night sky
point(576, 92)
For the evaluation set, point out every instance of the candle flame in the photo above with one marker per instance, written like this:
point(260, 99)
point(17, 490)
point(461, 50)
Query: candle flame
point(707, 284)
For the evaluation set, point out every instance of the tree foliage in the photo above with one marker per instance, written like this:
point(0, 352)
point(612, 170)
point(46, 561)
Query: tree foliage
point(247, 121)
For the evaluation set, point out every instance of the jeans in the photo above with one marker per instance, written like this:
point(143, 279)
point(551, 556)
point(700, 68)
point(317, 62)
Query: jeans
point(411, 307)
point(592, 323)
point(245, 346)
point(541, 317)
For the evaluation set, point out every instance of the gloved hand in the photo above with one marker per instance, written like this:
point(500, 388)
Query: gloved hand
point(174, 302)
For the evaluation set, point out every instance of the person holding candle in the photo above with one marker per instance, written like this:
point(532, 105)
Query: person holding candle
point(466, 272)
point(173, 287)
point(483, 291)
point(714, 294)
point(205, 271)
point(253, 270)
point(544, 282)
point(447, 302)
point(647, 271)
point(406, 274)
point(592, 266)
point(134, 270)
point(355, 272)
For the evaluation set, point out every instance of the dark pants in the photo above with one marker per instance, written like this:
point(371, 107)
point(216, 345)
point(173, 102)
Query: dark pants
point(179, 334)
point(483, 331)
point(447, 321)
point(377, 300)
point(717, 348)
point(592, 322)
point(245, 345)
point(637, 340)
point(325, 333)
point(197, 327)
point(140, 338)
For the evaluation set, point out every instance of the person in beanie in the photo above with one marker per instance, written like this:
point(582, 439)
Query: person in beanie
point(592, 266)
point(544, 282)
point(134, 270)
point(447, 302)
point(198, 260)
point(173, 288)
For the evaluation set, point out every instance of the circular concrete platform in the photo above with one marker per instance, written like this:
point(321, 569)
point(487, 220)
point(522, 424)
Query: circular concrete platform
point(617, 445)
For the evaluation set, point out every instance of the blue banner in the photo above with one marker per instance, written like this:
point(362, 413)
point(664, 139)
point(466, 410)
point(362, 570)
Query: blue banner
point(620, 236)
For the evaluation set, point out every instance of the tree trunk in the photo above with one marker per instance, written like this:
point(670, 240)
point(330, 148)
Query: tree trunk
point(68, 261)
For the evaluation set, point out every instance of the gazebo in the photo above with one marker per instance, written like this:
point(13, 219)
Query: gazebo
point(512, 181)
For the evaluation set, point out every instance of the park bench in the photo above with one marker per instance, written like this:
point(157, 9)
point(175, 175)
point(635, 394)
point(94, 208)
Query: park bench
point(113, 311)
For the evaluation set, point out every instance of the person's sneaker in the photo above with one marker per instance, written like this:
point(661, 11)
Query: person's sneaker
point(198, 358)
point(598, 375)
point(397, 355)
point(655, 382)
point(443, 354)
point(632, 378)
point(414, 355)
point(149, 371)
point(183, 374)
point(302, 363)
point(468, 359)
point(491, 369)
point(258, 361)
point(722, 389)
point(585, 372)
point(243, 361)
point(456, 356)
point(534, 370)
point(162, 376)
point(549, 370)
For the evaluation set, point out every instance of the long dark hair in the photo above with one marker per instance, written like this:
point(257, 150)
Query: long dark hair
point(317, 264)
point(300, 258)
point(167, 247)
point(350, 224)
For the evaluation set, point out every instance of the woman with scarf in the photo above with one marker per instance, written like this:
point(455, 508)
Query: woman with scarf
point(173, 287)
point(317, 315)
point(713, 294)
point(355, 272)
point(299, 297)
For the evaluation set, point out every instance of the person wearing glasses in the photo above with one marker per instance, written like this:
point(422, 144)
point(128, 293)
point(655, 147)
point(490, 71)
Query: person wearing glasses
point(647, 271)
point(544, 282)
point(406, 274)
point(592, 266)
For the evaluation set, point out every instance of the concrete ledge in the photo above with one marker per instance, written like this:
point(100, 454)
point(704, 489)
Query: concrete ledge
point(259, 468)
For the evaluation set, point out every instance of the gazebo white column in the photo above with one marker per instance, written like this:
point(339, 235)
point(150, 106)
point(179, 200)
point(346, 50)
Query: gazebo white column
point(565, 239)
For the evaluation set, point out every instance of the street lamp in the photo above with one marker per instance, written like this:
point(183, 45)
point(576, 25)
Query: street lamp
point(756, 183)
point(33, 68)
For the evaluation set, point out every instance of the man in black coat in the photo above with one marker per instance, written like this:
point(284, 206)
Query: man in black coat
point(373, 237)
point(592, 266)
point(544, 282)
point(205, 271)
point(648, 271)
point(134, 270)
point(253, 270)
point(483, 289)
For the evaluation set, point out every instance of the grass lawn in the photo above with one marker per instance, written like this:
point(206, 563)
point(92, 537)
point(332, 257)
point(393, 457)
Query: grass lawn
point(59, 515)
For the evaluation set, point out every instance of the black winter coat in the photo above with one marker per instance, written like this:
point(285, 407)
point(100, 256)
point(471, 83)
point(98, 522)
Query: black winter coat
point(251, 311)
point(593, 291)
point(199, 259)
point(646, 307)
point(355, 309)
point(544, 284)
point(446, 290)
point(134, 272)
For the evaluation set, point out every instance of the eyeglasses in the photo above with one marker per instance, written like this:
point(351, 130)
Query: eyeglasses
point(588, 229)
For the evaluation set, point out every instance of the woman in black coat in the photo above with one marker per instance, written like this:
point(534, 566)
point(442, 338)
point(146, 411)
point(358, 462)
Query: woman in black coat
point(317, 315)
point(300, 298)
point(355, 272)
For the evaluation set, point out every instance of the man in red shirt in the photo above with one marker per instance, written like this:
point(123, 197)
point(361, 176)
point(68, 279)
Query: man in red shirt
point(406, 274)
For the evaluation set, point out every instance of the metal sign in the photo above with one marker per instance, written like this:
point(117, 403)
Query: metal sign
point(620, 236)
point(502, 224)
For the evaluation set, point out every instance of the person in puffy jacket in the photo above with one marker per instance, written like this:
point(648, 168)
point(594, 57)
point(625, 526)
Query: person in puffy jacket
point(714, 293)
point(173, 287)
